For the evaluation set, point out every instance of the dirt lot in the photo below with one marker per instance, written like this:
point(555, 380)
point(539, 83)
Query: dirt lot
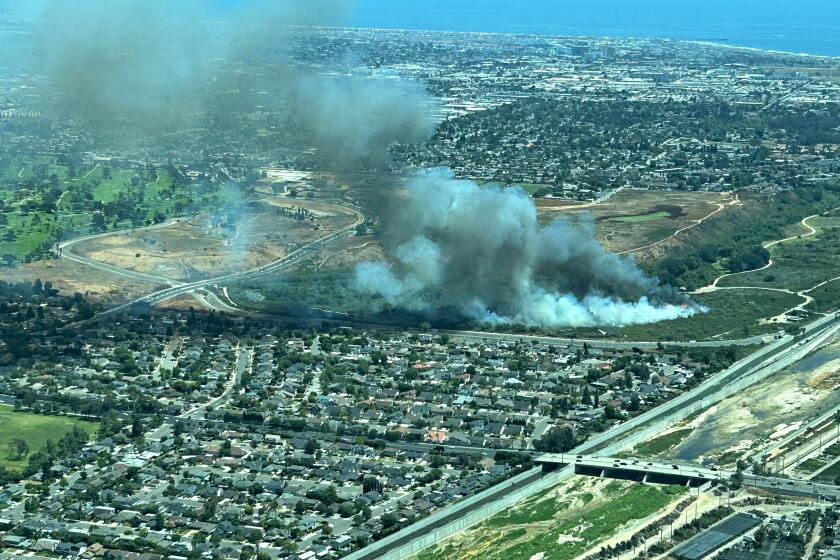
point(632, 219)
point(70, 277)
point(208, 246)
point(346, 253)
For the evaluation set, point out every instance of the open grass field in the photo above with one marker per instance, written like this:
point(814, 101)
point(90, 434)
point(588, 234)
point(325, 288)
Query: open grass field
point(801, 263)
point(35, 429)
point(640, 219)
point(635, 218)
point(558, 525)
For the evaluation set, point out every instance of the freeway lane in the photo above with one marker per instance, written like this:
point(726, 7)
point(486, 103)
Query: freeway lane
point(639, 468)
point(765, 357)
point(64, 250)
point(483, 336)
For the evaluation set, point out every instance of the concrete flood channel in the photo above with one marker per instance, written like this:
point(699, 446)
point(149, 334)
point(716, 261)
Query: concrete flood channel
point(796, 394)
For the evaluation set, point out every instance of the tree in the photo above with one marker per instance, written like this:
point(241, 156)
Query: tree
point(558, 439)
point(610, 413)
point(18, 449)
point(389, 520)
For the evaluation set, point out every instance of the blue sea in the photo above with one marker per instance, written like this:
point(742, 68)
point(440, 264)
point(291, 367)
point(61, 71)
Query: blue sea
point(801, 26)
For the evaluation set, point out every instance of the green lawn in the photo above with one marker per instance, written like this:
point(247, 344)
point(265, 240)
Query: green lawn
point(642, 218)
point(35, 429)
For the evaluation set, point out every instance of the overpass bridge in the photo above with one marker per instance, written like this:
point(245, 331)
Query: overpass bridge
point(642, 470)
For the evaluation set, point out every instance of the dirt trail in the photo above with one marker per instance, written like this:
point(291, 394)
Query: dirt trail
point(807, 299)
point(720, 208)
point(627, 532)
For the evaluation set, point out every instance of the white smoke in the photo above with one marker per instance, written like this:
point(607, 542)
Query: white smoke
point(481, 251)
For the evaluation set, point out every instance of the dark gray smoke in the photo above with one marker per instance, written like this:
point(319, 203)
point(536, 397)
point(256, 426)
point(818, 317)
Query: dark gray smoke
point(147, 66)
point(352, 116)
point(482, 251)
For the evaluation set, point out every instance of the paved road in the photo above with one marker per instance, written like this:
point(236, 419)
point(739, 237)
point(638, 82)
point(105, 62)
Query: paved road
point(64, 250)
point(483, 336)
point(243, 362)
point(284, 262)
point(615, 468)
point(766, 357)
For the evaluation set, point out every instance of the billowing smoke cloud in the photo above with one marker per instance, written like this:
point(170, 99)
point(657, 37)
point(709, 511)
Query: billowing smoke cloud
point(357, 118)
point(483, 252)
point(148, 67)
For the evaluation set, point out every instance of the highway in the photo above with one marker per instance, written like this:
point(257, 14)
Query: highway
point(176, 288)
point(649, 471)
point(484, 336)
point(64, 250)
point(764, 358)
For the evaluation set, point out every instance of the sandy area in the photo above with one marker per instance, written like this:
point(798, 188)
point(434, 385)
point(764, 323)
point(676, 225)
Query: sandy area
point(763, 412)
point(200, 249)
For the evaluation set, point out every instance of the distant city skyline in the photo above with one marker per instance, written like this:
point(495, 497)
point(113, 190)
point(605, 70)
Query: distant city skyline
point(807, 26)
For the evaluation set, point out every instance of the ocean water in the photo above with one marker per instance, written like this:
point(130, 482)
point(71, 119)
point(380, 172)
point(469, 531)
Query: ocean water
point(801, 26)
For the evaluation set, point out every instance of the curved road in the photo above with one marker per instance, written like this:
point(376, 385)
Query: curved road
point(64, 250)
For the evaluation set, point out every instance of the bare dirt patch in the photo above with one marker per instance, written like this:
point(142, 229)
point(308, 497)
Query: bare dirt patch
point(762, 413)
point(207, 246)
point(70, 277)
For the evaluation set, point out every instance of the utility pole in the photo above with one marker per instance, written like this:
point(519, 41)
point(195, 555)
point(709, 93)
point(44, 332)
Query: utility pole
point(696, 502)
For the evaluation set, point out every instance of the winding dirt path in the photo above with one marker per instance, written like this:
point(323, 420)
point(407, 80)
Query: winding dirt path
point(721, 206)
point(807, 299)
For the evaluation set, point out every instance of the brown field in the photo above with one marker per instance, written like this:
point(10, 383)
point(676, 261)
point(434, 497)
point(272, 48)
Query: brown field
point(346, 253)
point(636, 219)
point(194, 250)
point(70, 277)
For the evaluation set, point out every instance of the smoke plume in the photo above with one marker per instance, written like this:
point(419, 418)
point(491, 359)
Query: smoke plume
point(148, 67)
point(358, 118)
point(481, 251)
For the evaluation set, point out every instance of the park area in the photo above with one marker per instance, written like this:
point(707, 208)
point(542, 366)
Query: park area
point(35, 430)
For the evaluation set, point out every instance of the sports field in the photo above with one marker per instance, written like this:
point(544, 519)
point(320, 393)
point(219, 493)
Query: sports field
point(35, 430)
